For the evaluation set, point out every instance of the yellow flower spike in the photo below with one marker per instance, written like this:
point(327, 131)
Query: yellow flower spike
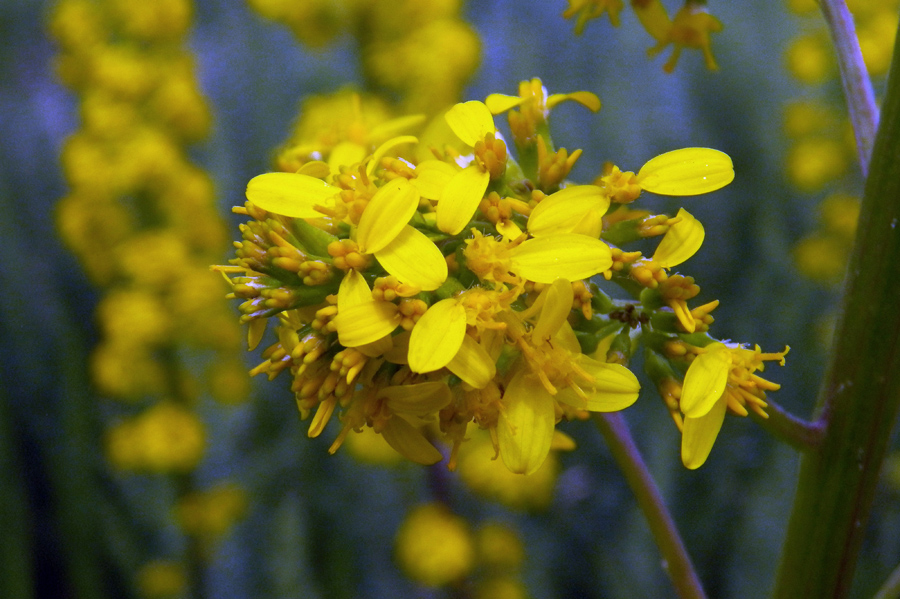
point(681, 241)
point(432, 177)
point(289, 194)
point(460, 198)
point(386, 214)
point(437, 336)
point(500, 103)
point(473, 364)
point(558, 298)
point(564, 210)
point(686, 172)
point(471, 121)
point(414, 259)
point(699, 434)
point(704, 382)
point(587, 99)
point(566, 255)
point(422, 399)
point(527, 422)
point(409, 442)
point(366, 322)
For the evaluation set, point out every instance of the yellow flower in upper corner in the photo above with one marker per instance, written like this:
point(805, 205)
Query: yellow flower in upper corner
point(719, 379)
point(686, 172)
point(689, 29)
point(592, 9)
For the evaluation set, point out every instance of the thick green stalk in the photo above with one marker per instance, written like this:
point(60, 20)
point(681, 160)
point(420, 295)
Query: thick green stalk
point(859, 400)
point(676, 561)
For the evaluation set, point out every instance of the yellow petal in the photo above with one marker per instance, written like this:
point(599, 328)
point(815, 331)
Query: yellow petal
point(409, 442)
point(394, 126)
point(557, 307)
point(437, 336)
point(680, 242)
point(508, 229)
point(399, 352)
point(289, 194)
point(614, 388)
point(566, 255)
point(498, 103)
point(255, 331)
point(564, 210)
point(354, 290)
point(414, 259)
point(699, 434)
point(377, 348)
point(473, 364)
point(386, 214)
point(316, 169)
point(471, 121)
point(461, 197)
point(432, 177)
point(527, 422)
point(344, 154)
point(586, 99)
point(422, 399)
point(366, 322)
point(704, 381)
point(686, 172)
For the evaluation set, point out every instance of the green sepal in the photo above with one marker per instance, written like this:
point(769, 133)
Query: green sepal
point(623, 232)
point(652, 299)
point(600, 302)
point(664, 320)
point(658, 367)
point(312, 238)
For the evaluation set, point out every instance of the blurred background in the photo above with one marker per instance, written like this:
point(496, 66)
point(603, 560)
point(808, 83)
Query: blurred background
point(137, 457)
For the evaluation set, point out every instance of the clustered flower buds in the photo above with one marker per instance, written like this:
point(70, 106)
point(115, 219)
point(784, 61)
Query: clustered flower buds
point(437, 283)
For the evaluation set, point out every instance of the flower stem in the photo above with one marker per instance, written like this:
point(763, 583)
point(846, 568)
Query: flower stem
point(676, 561)
point(860, 398)
point(800, 434)
point(854, 78)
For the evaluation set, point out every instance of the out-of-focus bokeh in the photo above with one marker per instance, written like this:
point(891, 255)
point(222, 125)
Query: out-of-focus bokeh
point(232, 499)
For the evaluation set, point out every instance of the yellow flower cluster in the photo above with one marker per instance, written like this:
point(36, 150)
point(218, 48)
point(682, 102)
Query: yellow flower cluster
point(690, 28)
point(422, 51)
point(142, 219)
point(439, 284)
point(436, 548)
point(139, 215)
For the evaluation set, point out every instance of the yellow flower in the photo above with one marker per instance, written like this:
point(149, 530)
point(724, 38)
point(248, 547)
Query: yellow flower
point(591, 9)
point(381, 230)
point(690, 28)
point(472, 123)
point(721, 378)
point(434, 546)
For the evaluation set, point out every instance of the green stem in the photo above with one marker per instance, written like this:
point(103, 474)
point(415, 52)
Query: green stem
point(860, 398)
point(676, 561)
point(854, 78)
point(800, 434)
